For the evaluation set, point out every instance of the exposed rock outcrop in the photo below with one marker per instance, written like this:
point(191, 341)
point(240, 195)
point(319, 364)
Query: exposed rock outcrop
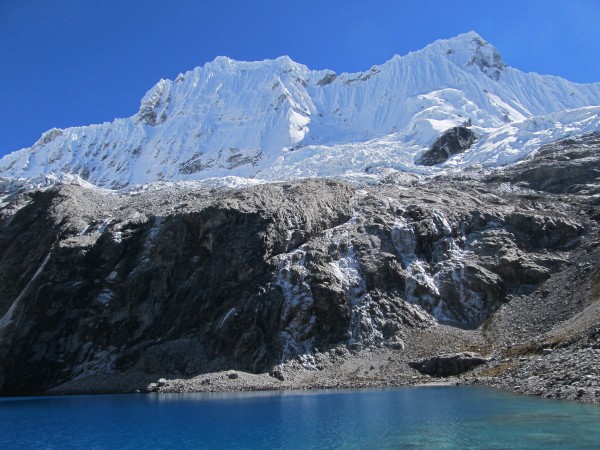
point(570, 165)
point(92, 283)
point(451, 142)
point(448, 365)
point(178, 282)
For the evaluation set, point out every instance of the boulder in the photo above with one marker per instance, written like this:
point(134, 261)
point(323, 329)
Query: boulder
point(277, 373)
point(448, 365)
point(453, 141)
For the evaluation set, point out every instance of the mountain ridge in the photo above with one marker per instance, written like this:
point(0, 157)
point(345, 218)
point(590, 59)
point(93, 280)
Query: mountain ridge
point(244, 119)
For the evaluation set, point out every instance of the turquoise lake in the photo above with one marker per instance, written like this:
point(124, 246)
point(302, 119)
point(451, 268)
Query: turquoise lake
point(423, 417)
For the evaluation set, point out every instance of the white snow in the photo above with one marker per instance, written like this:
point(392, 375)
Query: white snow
point(293, 278)
point(238, 122)
point(423, 279)
point(230, 313)
point(346, 271)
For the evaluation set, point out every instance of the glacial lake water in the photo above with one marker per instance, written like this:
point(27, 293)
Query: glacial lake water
point(423, 417)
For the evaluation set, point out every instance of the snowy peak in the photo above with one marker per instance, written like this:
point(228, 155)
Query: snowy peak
point(155, 102)
point(478, 52)
point(487, 58)
point(276, 119)
point(465, 50)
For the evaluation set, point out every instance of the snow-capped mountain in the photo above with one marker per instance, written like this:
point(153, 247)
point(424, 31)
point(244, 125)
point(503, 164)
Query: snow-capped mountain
point(277, 119)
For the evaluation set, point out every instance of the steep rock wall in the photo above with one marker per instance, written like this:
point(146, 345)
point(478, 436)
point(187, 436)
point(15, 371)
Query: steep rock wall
point(184, 281)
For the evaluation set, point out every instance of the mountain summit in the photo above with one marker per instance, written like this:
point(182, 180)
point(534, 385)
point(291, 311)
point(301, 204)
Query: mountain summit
point(277, 119)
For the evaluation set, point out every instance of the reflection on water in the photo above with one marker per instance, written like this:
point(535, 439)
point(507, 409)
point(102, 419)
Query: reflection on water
point(426, 417)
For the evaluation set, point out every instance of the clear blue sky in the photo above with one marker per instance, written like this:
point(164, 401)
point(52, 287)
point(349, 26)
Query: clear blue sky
point(76, 62)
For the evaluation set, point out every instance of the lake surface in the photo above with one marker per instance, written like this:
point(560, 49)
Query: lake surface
point(424, 417)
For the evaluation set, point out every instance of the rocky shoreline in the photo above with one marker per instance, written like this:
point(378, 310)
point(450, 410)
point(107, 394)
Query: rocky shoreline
point(572, 386)
point(578, 378)
point(571, 373)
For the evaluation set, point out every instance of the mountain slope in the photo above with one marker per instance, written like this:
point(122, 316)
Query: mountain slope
point(276, 119)
point(317, 281)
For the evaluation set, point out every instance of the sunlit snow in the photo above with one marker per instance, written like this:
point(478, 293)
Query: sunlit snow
point(247, 122)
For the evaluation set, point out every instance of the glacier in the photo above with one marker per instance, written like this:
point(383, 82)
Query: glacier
point(231, 122)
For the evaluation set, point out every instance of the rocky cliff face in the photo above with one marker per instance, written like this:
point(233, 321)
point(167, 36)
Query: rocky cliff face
point(181, 281)
point(102, 282)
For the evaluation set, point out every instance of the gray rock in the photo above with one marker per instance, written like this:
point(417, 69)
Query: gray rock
point(395, 344)
point(452, 141)
point(448, 365)
point(181, 282)
point(277, 372)
point(566, 166)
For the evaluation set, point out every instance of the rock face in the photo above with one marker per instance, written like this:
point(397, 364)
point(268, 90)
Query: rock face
point(448, 365)
point(97, 290)
point(180, 281)
point(453, 141)
point(567, 166)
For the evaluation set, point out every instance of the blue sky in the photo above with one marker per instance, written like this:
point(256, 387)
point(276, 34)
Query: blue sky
point(76, 62)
